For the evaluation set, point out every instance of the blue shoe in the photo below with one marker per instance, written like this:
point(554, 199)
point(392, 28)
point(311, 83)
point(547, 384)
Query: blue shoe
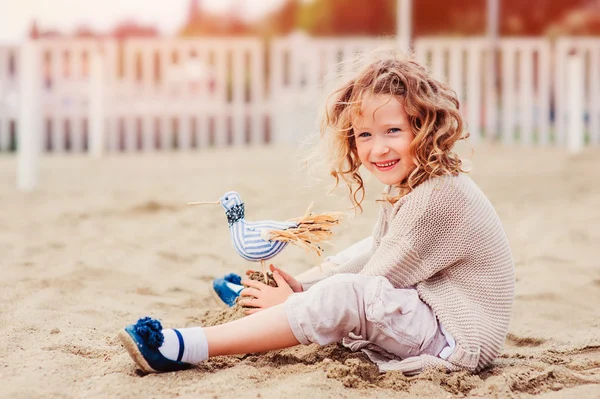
point(142, 341)
point(226, 290)
point(233, 278)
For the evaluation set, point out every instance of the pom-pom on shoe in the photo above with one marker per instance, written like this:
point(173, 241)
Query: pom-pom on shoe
point(142, 341)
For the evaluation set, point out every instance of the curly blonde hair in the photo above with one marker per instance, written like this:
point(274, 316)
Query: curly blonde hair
point(433, 113)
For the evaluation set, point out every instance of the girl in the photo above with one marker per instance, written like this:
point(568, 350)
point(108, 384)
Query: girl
point(434, 289)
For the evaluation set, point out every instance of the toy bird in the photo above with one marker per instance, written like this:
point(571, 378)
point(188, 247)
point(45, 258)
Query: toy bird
point(262, 240)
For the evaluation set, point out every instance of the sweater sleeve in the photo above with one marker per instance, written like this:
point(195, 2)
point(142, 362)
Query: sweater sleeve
point(357, 262)
point(354, 250)
point(353, 265)
point(421, 240)
point(350, 254)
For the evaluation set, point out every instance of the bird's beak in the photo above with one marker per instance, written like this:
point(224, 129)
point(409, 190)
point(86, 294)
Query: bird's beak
point(203, 203)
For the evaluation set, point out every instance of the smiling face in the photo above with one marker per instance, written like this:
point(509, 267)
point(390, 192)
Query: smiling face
point(382, 134)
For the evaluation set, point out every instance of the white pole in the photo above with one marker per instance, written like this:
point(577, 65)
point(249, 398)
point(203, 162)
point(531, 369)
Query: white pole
point(275, 91)
point(29, 129)
point(404, 24)
point(508, 92)
point(575, 68)
point(96, 110)
point(474, 92)
point(493, 16)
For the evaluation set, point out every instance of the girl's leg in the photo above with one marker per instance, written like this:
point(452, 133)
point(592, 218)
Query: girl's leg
point(156, 350)
point(259, 332)
point(368, 307)
point(331, 310)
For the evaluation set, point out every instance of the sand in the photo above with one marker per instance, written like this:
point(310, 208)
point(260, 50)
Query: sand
point(103, 242)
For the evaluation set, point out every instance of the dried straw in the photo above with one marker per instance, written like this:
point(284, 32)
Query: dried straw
point(311, 229)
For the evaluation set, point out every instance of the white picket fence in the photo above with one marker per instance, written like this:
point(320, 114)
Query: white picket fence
point(515, 107)
point(166, 94)
point(303, 72)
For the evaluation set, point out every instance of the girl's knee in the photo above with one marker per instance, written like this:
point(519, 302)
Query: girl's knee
point(346, 292)
point(329, 310)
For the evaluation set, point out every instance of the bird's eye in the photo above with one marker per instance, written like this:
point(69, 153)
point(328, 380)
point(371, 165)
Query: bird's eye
point(226, 198)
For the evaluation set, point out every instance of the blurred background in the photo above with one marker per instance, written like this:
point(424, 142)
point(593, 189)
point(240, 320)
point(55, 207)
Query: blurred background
point(115, 113)
point(131, 75)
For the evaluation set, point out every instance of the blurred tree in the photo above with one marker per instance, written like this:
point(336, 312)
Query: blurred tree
point(128, 29)
point(201, 23)
point(378, 17)
point(282, 21)
point(468, 17)
point(85, 32)
point(34, 30)
point(458, 17)
point(582, 21)
point(430, 17)
point(534, 17)
point(36, 33)
point(341, 17)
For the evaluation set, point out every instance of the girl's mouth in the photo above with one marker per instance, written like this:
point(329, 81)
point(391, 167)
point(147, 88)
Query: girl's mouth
point(383, 166)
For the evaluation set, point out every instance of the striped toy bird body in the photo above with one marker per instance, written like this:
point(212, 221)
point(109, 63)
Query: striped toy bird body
point(250, 239)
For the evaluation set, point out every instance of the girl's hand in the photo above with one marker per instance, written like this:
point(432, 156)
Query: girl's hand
point(289, 279)
point(259, 296)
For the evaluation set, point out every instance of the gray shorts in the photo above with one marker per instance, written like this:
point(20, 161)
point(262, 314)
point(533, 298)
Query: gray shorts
point(362, 311)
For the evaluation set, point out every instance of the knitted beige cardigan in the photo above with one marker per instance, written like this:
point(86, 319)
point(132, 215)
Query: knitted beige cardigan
point(445, 239)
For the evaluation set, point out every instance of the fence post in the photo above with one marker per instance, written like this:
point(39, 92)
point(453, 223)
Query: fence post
point(286, 91)
point(576, 89)
point(474, 91)
point(403, 24)
point(274, 92)
point(29, 129)
point(96, 110)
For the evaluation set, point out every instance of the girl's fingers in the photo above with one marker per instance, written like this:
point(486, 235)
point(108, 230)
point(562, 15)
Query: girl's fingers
point(290, 280)
point(251, 305)
point(281, 282)
point(248, 302)
point(253, 283)
point(283, 274)
point(252, 292)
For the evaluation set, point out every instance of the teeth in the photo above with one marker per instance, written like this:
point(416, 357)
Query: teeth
point(383, 165)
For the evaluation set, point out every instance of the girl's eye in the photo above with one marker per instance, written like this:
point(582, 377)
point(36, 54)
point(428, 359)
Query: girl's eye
point(364, 134)
point(393, 130)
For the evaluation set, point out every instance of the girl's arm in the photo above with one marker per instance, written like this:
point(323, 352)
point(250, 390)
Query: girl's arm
point(357, 249)
point(353, 258)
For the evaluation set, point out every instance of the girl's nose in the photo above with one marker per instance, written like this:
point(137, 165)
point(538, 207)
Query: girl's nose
point(380, 146)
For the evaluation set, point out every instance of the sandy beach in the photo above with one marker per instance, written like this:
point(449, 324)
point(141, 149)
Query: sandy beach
point(103, 242)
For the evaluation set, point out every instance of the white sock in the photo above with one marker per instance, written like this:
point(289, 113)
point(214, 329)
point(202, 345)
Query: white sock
point(195, 348)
